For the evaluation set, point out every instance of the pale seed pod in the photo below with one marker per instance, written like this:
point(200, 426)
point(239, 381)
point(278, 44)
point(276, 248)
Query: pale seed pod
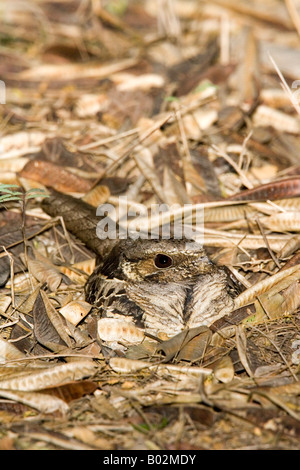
point(114, 329)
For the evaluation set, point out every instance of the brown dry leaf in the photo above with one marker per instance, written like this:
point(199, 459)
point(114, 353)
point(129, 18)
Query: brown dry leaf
point(241, 343)
point(49, 326)
point(45, 273)
point(280, 189)
point(72, 391)
point(248, 69)
point(86, 435)
point(123, 99)
point(11, 166)
point(55, 176)
point(189, 345)
point(124, 365)
point(27, 305)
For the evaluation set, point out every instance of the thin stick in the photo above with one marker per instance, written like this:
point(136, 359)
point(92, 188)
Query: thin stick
point(267, 243)
point(11, 260)
point(285, 86)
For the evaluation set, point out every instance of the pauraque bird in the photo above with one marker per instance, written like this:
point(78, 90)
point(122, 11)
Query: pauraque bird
point(161, 285)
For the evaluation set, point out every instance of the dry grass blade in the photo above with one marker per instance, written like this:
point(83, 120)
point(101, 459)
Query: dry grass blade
point(250, 294)
point(241, 342)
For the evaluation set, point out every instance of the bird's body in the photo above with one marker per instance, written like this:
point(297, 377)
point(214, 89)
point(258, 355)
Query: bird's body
point(161, 285)
point(164, 286)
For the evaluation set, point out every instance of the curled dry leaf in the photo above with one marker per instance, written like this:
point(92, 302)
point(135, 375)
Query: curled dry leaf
point(173, 189)
point(143, 158)
point(112, 329)
point(75, 311)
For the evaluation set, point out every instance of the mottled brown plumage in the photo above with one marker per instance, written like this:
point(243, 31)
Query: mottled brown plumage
point(162, 285)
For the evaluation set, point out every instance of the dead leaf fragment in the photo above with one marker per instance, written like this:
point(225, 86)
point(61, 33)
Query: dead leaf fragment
point(188, 345)
point(75, 311)
point(55, 176)
point(224, 370)
point(45, 272)
point(49, 327)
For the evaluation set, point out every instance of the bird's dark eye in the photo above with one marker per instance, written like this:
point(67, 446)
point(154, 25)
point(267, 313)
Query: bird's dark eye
point(163, 261)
